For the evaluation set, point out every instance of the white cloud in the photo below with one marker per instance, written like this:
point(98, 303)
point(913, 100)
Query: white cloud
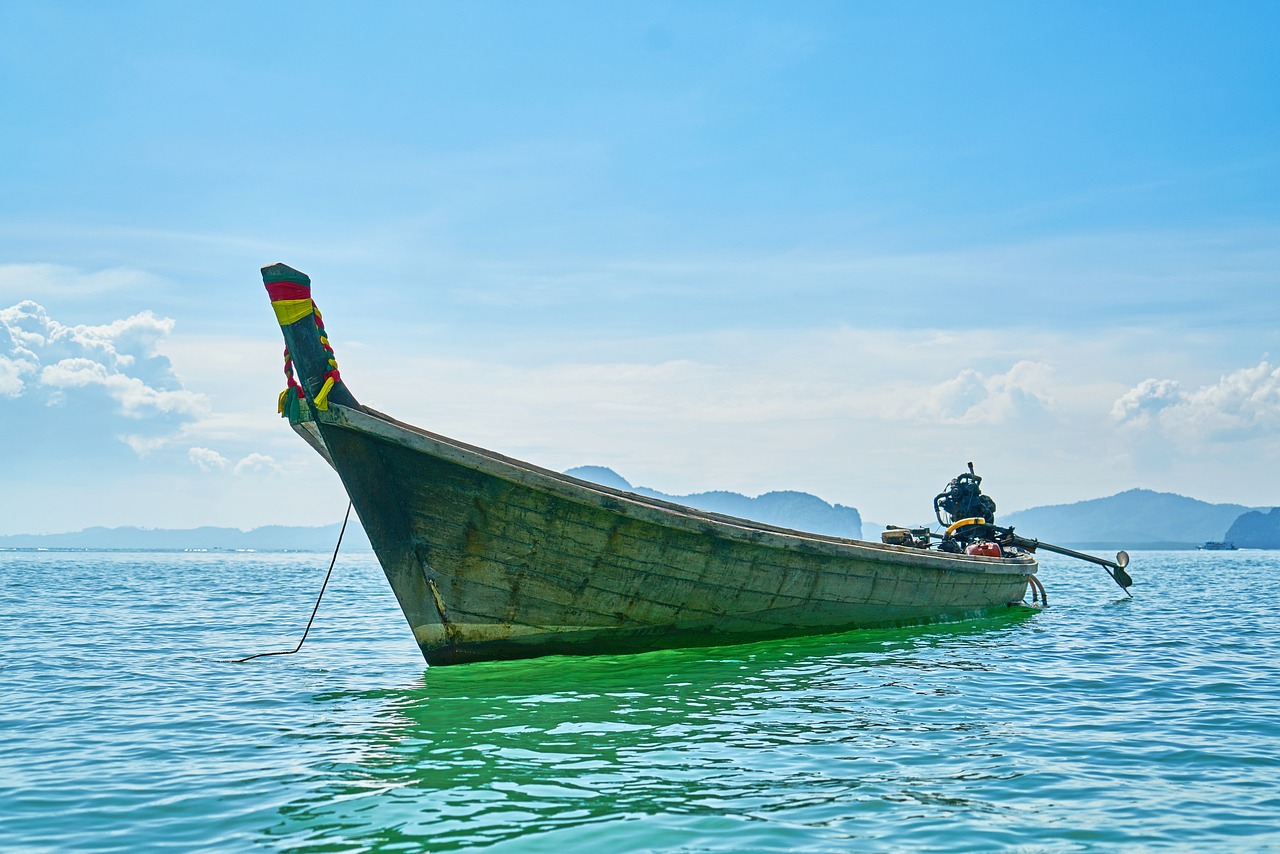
point(973, 398)
point(136, 398)
point(1241, 405)
point(11, 371)
point(74, 373)
point(38, 353)
point(257, 464)
point(118, 344)
point(1147, 399)
point(207, 460)
point(144, 445)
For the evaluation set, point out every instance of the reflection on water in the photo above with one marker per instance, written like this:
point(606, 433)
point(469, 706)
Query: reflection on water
point(800, 733)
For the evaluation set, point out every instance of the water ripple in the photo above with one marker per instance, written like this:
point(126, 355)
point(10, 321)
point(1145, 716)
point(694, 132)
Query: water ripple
point(1102, 723)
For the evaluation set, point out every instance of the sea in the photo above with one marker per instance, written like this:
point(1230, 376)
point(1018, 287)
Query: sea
point(1101, 723)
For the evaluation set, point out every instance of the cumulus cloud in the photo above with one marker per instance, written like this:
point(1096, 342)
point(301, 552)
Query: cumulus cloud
point(135, 397)
point(207, 460)
point(1242, 404)
point(257, 464)
point(41, 356)
point(11, 382)
point(974, 398)
point(1147, 399)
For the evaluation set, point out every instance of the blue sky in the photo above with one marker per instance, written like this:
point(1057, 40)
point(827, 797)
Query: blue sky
point(836, 247)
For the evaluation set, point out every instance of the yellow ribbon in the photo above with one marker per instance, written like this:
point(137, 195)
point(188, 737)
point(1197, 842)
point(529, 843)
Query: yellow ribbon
point(322, 399)
point(290, 311)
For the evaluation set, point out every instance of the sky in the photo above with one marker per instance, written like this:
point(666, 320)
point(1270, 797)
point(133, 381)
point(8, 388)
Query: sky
point(843, 248)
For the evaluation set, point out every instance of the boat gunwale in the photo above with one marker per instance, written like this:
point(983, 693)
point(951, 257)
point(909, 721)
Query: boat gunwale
point(370, 421)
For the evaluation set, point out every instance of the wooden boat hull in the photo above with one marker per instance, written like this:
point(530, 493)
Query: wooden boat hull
point(492, 558)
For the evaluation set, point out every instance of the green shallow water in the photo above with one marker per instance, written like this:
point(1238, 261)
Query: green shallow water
point(1100, 724)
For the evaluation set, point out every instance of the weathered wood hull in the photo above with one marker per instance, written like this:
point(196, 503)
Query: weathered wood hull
point(494, 559)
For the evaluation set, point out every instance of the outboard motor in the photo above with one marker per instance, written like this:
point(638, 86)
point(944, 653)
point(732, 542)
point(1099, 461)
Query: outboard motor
point(963, 502)
point(970, 520)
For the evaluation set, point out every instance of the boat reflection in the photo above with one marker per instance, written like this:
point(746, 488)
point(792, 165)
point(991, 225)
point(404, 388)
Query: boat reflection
point(760, 736)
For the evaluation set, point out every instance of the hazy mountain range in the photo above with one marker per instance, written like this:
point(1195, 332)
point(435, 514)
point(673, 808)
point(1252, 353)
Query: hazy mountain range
point(797, 510)
point(1138, 518)
point(268, 538)
point(1135, 518)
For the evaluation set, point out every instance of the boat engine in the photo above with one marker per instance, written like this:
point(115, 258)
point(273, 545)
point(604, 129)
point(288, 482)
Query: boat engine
point(965, 512)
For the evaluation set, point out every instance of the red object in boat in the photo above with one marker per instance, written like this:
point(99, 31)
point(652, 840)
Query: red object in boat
point(984, 549)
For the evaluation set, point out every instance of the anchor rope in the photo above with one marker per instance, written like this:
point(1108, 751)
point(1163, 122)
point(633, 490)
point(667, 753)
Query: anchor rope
point(318, 598)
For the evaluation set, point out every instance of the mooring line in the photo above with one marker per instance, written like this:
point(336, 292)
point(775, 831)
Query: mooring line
point(318, 598)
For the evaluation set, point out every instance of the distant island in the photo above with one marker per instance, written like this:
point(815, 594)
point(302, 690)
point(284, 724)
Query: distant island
point(799, 511)
point(267, 538)
point(1256, 530)
point(1135, 519)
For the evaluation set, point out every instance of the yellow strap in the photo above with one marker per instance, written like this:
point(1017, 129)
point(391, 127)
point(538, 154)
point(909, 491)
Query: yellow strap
point(292, 310)
point(280, 404)
point(322, 399)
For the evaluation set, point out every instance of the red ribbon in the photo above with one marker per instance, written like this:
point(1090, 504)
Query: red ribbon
point(287, 290)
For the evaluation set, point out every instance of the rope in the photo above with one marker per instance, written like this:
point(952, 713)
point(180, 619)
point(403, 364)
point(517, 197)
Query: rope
point(331, 376)
point(287, 404)
point(318, 598)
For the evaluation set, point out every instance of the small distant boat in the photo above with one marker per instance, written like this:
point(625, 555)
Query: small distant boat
point(1215, 546)
point(493, 558)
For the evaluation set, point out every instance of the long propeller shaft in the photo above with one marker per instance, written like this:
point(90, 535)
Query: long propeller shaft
point(1114, 568)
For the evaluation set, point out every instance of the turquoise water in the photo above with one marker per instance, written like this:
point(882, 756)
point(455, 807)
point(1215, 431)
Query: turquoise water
point(1099, 724)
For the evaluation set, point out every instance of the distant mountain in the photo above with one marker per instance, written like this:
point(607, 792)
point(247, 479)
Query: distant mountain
point(603, 476)
point(268, 538)
point(1138, 517)
point(796, 510)
point(1256, 530)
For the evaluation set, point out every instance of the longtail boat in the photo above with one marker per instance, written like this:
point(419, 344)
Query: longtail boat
point(492, 558)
